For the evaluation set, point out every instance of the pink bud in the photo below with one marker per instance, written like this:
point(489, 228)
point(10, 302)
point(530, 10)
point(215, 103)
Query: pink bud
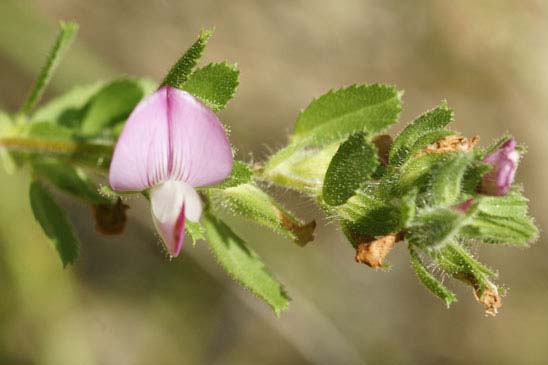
point(463, 207)
point(505, 162)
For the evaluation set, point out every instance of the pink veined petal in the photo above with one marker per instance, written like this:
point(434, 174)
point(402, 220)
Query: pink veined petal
point(141, 156)
point(170, 134)
point(172, 202)
point(505, 162)
point(201, 153)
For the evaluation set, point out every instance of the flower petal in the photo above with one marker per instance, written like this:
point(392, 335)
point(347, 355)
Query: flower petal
point(505, 163)
point(201, 153)
point(141, 157)
point(172, 202)
point(193, 203)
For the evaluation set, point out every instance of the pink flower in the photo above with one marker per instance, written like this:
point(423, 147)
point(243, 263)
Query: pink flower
point(505, 162)
point(171, 143)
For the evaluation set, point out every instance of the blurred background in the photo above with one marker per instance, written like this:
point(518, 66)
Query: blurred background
point(124, 303)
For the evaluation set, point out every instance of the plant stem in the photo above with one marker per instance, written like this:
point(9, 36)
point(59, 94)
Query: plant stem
point(96, 155)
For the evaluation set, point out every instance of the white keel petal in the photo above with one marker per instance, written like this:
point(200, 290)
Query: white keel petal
point(172, 202)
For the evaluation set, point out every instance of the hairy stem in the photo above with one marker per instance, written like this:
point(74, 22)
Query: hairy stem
point(67, 31)
point(91, 154)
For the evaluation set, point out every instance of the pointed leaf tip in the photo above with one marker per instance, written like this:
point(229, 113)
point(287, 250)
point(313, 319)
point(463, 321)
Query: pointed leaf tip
point(180, 71)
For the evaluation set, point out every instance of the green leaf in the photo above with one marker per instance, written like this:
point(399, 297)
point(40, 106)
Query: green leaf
point(67, 31)
point(367, 216)
point(519, 231)
point(241, 174)
point(179, 72)
point(54, 223)
point(214, 84)
point(408, 208)
point(513, 204)
point(112, 104)
point(502, 219)
point(69, 108)
point(355, 161)
point(457, 262)
point(430, 282)
point(244, 265)
point(431, 121)
point(472, 176)
point(47, 131)
point(414, 174)
point(433, 228)
point(70, 179)
point(446, 182)
point(454, 259)
point(340, 113)
point(250, 202)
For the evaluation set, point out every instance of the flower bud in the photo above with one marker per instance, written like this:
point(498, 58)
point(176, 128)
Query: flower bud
point(464, 206)
point(505, 162)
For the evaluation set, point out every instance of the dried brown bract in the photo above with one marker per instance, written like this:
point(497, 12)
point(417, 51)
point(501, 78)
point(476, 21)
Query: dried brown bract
point(453, 143)
point(110, 219)
point(304, 233)
point(490, 300)
point(383, 144)
point(373, 251)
